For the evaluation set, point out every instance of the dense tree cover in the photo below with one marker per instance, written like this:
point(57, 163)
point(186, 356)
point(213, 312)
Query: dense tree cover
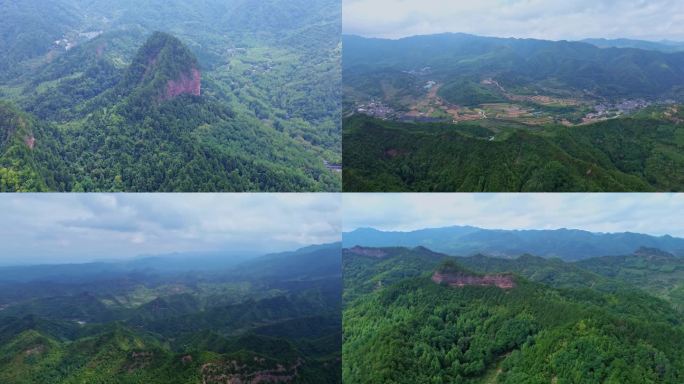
point(186, 144)
point(640, 154)
point(561, 66)
point(211, 325)
point(21, 166)
point(267, 120)
point(567, 244)
point(413, 330)
point(363, 275)
point(629, 154)
point(655, 271)
point(26, 34)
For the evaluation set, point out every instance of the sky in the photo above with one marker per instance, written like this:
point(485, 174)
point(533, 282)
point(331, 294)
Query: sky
point(542, 19)
point(74, 228)
point(652, 213)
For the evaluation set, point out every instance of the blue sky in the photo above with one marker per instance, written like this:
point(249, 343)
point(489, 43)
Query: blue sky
point(543, 19)
point(652, 213)
point(58, 228)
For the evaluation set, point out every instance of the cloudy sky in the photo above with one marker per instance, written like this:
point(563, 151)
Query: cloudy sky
point(542, 19)
point(652, 213)
point(54, 228)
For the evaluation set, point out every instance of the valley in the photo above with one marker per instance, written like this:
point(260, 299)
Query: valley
point(463, 113)
point(273, 318)
point(537, 109)
point(250, 103)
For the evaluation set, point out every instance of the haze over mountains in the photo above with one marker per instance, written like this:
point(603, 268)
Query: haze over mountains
point(663, 45)
point(458, 112)
point(567, 244)
point(562, 66)
point(165, 320)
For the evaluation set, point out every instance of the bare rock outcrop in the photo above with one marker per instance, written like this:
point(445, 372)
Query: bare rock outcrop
point(463, 280)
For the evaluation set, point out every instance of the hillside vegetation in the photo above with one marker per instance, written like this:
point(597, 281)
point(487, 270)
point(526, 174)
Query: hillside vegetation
point(555, 323)
point(125, 323)
point(205, 105)
point(629, 154)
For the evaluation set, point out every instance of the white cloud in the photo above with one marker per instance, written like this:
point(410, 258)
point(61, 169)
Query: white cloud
point(542, 19)
point(75, 228)
point(656, 214)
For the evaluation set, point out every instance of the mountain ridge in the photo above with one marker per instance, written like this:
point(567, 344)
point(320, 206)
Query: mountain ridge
point(567, 244)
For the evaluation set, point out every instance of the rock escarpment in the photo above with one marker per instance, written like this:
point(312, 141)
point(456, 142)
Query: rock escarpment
point(187, 83)
point(370, 252)
point(463, 280)
point(453, 275)
point(235, 372)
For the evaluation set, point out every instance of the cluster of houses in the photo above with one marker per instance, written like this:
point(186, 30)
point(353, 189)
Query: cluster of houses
point(68, 43)
point(624, 107)
point(375, 109)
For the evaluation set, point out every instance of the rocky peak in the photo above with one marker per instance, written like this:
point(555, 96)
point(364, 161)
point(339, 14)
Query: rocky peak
point(187, 83)
point(163, 69)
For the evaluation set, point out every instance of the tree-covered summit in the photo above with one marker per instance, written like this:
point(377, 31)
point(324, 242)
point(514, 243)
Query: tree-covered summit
point(228, 97)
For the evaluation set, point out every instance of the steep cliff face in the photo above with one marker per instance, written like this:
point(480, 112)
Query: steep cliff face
point(259, 370)
point(30, 142)
point(187, 83)
point(453, 275)
point(370, 252)
point(462, 280)
point(20, 143)
point(14, 128)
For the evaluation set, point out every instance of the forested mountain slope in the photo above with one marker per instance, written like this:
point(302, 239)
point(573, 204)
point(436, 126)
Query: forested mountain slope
point(627, 154)
point(207, 105)
point(142, 323)
point(463, 113)
point(574, 67)
point(428, 319)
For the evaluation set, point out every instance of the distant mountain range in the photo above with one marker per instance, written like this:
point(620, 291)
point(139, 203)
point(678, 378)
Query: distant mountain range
point(663, 46)
point(529, 64)
point(463, 113)
point(274, 318)
point(173, 264)
point(567, 244)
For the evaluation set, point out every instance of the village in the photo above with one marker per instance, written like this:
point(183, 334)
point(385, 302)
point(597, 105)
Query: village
point(520, 108)
point(71, 40)
point(605, 111)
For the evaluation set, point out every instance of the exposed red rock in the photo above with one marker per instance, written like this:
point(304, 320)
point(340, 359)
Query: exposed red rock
point(231, 372)
point(139, 360)
point(186, 359)
point(188, 83)
point(35, 350)
point(100, 49)
point(372, 252)
point(392, 153)
point(462, 280)
point(30, 142)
